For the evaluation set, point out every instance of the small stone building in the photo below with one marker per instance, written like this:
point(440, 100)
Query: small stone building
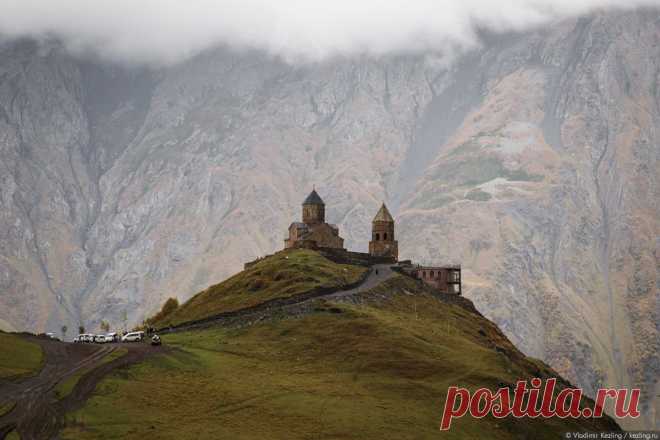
point(313, 232)
point(382, 242)
point(446, 279)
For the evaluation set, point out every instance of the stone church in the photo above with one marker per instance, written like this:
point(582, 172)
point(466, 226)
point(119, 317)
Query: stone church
point(314, 233)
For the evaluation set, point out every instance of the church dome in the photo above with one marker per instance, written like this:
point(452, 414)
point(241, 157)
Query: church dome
point(313, 199)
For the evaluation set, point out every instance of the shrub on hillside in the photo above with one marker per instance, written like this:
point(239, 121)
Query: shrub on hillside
point(168, 308)
point(256, 284)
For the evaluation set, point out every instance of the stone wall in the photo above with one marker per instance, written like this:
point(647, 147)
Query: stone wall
point(358, 258)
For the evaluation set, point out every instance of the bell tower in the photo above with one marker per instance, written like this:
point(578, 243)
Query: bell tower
point(382, 242)
point(313, 209)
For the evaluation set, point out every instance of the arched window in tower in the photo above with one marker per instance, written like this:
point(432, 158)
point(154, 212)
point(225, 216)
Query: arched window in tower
point(377, 236)
point(385, 236)
point(431, 274)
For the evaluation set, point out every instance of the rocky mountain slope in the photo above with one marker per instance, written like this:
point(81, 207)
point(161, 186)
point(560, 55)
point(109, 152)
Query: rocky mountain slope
point(532, 161)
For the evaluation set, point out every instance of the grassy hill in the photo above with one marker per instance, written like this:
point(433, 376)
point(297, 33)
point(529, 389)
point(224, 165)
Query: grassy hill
point(19, 357)
point(375, 366)
point(284, 274)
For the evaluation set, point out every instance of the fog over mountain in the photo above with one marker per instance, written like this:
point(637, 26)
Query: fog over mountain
point(166, 31)
point(148, 152)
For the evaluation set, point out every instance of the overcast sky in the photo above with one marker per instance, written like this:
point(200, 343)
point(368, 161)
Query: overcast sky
point(164, 31)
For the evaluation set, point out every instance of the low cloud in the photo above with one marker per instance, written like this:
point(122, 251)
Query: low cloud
point(167, 31)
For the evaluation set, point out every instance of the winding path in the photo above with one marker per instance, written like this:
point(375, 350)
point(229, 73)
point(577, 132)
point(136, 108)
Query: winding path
point(37, 413)
point(377, 274)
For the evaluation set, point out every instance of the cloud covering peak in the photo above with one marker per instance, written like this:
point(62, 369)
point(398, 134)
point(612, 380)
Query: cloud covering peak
point(165, 31)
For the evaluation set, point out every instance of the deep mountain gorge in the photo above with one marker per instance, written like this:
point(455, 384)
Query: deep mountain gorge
point(532, 161)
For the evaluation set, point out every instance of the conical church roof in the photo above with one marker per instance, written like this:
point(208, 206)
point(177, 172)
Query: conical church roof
point(313, 199)
point(383, 215)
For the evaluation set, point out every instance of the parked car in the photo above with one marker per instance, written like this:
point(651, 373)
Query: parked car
point(132, 337)
point(99, 339)
point(52, 336)
point(81, 338)
point(88, 338)
point(112, 337)
point(155, 340)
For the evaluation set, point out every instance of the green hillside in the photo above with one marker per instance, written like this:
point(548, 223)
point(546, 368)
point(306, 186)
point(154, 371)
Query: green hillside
point(19, 357)
point(284, 274)
point(375, 367)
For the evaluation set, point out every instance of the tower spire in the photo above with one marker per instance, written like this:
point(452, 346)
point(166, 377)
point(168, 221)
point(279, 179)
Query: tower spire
point(383, 215)
point(383, 243)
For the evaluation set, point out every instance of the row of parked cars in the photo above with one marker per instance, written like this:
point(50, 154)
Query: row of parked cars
point(110, 337)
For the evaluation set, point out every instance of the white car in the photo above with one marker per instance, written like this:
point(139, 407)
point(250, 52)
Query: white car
point(83, 337)
point(111, 337)
point(99, 339)
point(132, 337)
point(52, 336)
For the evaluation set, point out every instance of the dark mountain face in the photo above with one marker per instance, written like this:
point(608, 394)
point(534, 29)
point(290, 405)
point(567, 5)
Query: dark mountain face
point(533, 162)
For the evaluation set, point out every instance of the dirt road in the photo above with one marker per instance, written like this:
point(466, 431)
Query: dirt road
point(379, 274)
point(37, 413)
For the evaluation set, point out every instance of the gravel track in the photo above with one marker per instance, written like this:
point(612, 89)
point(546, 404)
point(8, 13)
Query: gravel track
point(38, 414)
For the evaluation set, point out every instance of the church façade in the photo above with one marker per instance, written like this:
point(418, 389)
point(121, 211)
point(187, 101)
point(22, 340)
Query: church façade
point(314, 233)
